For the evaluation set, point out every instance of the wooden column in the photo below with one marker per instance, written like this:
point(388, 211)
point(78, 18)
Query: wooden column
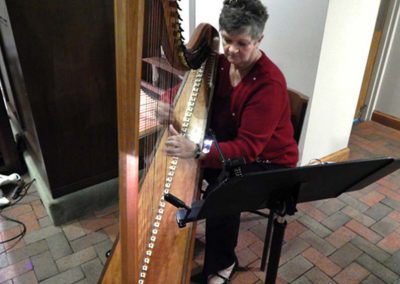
point(128, 36)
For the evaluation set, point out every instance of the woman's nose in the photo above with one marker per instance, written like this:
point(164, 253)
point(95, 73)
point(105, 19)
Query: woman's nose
point(233, 48)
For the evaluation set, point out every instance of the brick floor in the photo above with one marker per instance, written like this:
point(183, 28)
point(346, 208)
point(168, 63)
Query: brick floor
point(351, 239)
point(71, 253)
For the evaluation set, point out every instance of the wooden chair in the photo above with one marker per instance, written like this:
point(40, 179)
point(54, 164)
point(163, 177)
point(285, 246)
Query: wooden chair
point(298, 105)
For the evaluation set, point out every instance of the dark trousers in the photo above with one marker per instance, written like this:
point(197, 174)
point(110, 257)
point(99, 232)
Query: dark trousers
point(222, 232)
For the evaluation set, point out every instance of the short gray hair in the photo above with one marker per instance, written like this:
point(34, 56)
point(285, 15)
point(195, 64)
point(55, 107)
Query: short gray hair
point(237, 15)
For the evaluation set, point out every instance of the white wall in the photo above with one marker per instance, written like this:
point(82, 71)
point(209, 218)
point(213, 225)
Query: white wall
point(389, 94)
point(293, 38)
point(348, 32)
point(185, 15)
point(207, 11)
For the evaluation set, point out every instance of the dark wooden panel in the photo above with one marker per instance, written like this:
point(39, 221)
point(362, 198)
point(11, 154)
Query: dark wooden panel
point(9, 158)
point(66, 54)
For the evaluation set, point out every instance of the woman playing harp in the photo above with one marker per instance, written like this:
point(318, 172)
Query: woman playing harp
point(251, 119)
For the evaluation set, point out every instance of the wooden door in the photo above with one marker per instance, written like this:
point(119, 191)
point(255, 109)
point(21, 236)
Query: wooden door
point(372, 59)
point(9, 157)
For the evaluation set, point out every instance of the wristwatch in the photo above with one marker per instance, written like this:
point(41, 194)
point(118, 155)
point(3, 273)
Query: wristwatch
point(207, 143)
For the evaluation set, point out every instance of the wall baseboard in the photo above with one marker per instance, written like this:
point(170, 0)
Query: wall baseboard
point(386, 119)
point(339, 156)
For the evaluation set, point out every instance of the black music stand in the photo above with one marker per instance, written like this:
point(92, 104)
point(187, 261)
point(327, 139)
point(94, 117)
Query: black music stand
point(280, 191)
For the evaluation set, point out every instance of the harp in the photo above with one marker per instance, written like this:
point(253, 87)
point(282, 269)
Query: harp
point(150, 247)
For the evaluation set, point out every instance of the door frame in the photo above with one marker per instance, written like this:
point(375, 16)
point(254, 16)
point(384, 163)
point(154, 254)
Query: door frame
point(386, 42)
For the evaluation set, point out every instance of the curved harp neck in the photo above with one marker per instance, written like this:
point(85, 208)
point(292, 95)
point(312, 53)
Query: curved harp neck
point(201, 44)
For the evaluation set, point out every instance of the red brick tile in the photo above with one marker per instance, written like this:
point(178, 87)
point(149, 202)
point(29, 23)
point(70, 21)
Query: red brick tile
point(391, 243)
point(364, 144)
point(321, 261)
point(14, 270)
point(3, 225)
point(92, 224)
point(293, 230)
point(257, 248)
point(280, 281)
point(9, 234)
point(255, 269)
point(30, 222)
point(340, 237)
point(246, 256)
point(39, 209)
point(312, 211)
point(112, 231)
point(395, 215)
point(363, 231)
point(15, 211)
point(254, 266)
point(244, 277)
point(372, 198)
point(106, 211)
point(390, 193)
point(13, 245)
point(353, 274)
point(245, 239)
point(386, 182)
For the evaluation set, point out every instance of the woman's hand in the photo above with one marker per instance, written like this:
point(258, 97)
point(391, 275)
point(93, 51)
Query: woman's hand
point(164, 113)
point(179, 146)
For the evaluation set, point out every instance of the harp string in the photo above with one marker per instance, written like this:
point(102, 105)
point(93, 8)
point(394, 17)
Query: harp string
point(151, 206)
point(160, 79)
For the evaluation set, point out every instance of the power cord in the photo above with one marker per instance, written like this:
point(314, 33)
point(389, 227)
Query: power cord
point(20, 235)
point(17, 196)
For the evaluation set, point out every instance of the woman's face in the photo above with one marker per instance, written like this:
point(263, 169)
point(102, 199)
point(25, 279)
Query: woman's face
point(240, 49)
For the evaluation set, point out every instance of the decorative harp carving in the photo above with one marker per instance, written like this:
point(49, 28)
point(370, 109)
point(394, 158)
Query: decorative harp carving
point(150, 247)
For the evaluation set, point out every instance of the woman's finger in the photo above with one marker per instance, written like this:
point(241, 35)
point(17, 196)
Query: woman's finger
point(173, 130)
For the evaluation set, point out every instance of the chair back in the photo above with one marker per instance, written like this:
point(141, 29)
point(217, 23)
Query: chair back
point(298, 105)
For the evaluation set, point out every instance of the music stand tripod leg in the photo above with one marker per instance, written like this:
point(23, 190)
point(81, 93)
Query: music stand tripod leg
point(275, 249)
point(267, 240)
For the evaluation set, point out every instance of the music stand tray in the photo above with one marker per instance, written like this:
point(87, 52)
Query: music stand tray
point(280, 191)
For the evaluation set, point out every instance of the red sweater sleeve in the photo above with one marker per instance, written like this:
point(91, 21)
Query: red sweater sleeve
point(169, 95)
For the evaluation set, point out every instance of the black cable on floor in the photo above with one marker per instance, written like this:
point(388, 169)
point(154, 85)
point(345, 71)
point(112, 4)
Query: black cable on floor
point(20, 194)
point(20, 235)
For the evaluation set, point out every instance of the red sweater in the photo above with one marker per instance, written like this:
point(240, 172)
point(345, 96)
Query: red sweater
point(252, 120)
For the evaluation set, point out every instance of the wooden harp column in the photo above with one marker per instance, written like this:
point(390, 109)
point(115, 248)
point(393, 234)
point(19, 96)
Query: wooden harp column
point(151, 248)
